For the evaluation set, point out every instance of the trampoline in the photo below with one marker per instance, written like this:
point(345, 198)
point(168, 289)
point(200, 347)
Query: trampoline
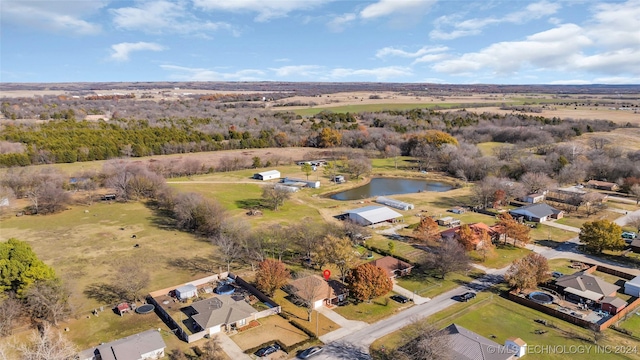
point(225, 289)
point(145, 309)
point(541, 297)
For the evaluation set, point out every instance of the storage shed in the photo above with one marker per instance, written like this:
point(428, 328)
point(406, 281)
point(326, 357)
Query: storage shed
point(370, 215)
point(267, 175)
point(632, 287)
point(186, 292)
point(397, 204)
point(612, 304)
point(448, 221)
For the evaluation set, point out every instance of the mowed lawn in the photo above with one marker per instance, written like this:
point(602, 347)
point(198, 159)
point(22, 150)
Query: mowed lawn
point(370, 312)
point(271, 328)
point(497, 319)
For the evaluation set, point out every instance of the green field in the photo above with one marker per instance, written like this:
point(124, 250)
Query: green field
point(370, 312)
point(371, 108)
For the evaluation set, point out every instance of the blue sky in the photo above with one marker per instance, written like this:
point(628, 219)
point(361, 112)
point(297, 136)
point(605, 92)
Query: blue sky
point(440, 41)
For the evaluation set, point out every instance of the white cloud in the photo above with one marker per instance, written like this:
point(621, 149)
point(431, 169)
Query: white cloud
point(298, 70)
point(570, 82)
point(121, 51)
point(551, 49)
point(59, 16)
point(380, 74)
point(163, 16)
point(390, 7)
point(201, 74)
point(266, 10)
point(474, 26)
point(340, 22)
point(391, 51)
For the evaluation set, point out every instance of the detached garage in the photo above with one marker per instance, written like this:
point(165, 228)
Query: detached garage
point(267, 175)
point(370, 215)
point(632, 287)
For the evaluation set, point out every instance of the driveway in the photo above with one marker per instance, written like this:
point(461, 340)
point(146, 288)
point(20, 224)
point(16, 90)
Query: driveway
point(417, 299)
point(231, 348)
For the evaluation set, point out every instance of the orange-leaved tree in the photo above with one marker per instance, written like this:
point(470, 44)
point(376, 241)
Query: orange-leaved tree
point(513, 229)
point(427, 230)
point(367, 281)
point(272, 275)
point(528, 272)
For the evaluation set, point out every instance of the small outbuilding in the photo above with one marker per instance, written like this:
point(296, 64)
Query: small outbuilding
point(123, 308)
point(517, 346)
point(186, 292)
point(533, 198)
point(448, 221)
point(602, 185)
point(458, 210)
point(397, 204)
point(612, 304)
point(370, 215)
point(632, 287)
point(267, 175)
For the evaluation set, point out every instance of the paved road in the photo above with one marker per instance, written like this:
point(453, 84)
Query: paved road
point(355, 344)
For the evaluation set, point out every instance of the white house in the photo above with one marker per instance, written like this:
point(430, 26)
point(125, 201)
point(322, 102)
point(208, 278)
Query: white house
point(632, 287)
point(267, 175)
point(186, 292)
point(533, 198)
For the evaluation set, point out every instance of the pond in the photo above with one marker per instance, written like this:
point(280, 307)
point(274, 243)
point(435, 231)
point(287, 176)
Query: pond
point(390, 186)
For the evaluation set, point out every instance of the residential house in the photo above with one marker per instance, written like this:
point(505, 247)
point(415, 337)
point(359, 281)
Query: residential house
point(537, 212)
point(477, 228)
point(146, 345)
point(393, 267)
point(319, 291)
point(602, 185)
point(467, 345)
point(373, 214)
point(583, 287)
point(220, 313)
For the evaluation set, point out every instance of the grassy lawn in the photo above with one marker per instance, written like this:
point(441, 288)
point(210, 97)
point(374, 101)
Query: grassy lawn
point(318, 321)
point(378, 309)
point(486, 148)
point(271, 328)
point(577, 219)
point(632, 323)
point(504, 256)
point(497, 318)
point(427, 285)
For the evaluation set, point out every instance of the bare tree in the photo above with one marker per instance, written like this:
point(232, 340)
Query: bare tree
point(536, 182)
point(450, 257)
point(309, 288)
point(635, 192)
point(212, 350)
point(275, 196)
point(424, 340)
point(228, 248)
point(392, 151)
point(130, 279)
point(48, 300)
point(10, 310)
point(358, 167)
point(47, 344)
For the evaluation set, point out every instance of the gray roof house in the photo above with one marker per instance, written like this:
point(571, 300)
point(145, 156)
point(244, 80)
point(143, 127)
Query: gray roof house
point(373, 214)
point(214, 313)
point(467, 345)
point(537, 212)
point(146, 345)
point(586, 286)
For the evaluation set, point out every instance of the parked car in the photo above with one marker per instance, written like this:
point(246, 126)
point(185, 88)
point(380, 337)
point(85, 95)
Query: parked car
point(267, 350)
point(399, 298)
point(467, 296)
point(629, 235)
point(312, 351)
point(557, 274)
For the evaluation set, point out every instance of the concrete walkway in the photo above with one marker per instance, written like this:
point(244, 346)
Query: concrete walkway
point(346, 326)
point(561, 226)
point(624, 220)
point(417, 299)
point(231, 348)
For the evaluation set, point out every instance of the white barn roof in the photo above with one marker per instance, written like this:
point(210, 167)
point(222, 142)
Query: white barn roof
point(375, 214)
point(270, 173)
